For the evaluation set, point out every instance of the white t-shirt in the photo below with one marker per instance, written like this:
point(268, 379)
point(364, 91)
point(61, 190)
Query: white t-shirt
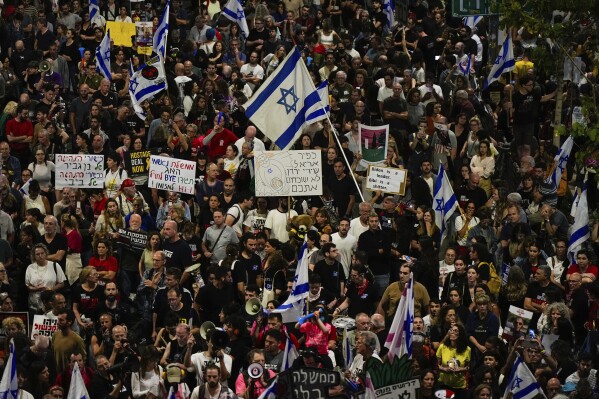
point(258, 144)
point(255, 221)
point(356, 228)
point(252, 71)
point(199, 361)
point(276, 222)
point(459, 224)
point(346, 247)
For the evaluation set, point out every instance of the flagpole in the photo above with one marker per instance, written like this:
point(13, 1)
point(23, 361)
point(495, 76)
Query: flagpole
point(334, 133)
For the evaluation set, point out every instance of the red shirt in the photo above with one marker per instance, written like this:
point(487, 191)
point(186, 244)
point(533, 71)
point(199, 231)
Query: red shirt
point(108, 265)
point(74, 241)
point(590, 269)
point(218, 144)
point(15, 128)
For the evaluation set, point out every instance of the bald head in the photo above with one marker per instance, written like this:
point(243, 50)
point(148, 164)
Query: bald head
point(250, 132)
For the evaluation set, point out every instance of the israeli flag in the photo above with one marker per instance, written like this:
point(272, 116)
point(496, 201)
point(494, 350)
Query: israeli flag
point(389, 10)
point(561, 160)
point(94, 10)
point(270, 392)
point(103, 56)
point(320, 110)
point(234, 11)
point(399, 339)
point(146, 82)
point(522, 383)
point(579, 232)
point(348, 354)
point(293, 307)
point(280, 105)
point(444, 201)
point(504, 62)
point(289, 355)
point(473, 20)
point(77, 388)
point(9, 385)
point(161, 34)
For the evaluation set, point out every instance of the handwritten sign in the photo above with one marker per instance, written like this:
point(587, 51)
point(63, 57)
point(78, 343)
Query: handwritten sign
point(172, 174)
point(21, 315)
point(389, 180)
point(43, 325)
point(79, 170)
point(406, 389)
point(282, 173)
point(137, 163)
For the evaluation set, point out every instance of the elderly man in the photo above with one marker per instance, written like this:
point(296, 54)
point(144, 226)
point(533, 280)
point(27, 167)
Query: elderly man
point(368, 346)
point(55, 241)
point(360, 224)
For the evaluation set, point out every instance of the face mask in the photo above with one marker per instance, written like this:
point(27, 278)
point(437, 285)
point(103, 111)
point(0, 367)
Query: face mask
point(111, 298)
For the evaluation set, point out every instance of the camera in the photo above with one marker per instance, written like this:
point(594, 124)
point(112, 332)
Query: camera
point(130, 364)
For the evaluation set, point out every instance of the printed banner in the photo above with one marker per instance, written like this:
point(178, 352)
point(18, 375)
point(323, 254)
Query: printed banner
point(373, 143)
point(282, 173)
point(132, 239)
point(137, 163)
point(406, 389)
point(172, 174)
point(43, 325)
point(388, 180)
point(79, 170)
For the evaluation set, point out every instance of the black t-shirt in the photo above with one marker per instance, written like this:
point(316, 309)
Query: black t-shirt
point(178, 254)
point(331, 275)
point(58, 243)
point(361, 303)
point(87, 301)
point(397, 105)
point(526, 107)
point(478, 196)
point(341, 190)
point(212, 300)
point(247, 270)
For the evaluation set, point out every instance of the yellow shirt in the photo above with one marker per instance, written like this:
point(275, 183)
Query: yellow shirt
point(445, 354)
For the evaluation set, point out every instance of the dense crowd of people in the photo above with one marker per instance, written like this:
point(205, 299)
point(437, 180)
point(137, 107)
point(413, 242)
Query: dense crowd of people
point(190, 308)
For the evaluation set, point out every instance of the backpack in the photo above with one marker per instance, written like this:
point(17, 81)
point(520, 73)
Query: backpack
point(494, 282)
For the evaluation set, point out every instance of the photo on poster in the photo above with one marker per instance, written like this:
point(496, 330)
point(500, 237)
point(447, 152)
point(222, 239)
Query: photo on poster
point(373, 143)
point(517, 323)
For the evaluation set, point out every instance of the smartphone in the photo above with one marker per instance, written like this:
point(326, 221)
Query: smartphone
point(79, 204)
point(531, 334)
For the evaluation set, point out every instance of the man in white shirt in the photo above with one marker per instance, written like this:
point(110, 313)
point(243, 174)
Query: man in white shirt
point(346, 244)
point(252, 72)
point(250, 137)
point(360, 224)
point(217, 356)
point(276, 221)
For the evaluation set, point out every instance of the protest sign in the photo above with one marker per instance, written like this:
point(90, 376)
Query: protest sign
point(373, 143)
point(388, 180)
point(143, 37)
point(21, 315)
point(121, 32)
point(43, 325)
point(282, 173)
point(79, 170)
point(133, 239)
point(137, 163)
point(516, 324)
point(406, 389)
point(172, 174)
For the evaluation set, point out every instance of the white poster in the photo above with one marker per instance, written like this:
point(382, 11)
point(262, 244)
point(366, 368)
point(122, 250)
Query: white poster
point(43, 325)
point(79, 170)
point(282, 173)
point(388, 180)
point(172, 174)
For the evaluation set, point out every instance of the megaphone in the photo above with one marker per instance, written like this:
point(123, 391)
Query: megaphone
point(45, 66)
point(255, 370)
point(303, 319)
point(253, 306)
point(219, 338)
point(205, 329)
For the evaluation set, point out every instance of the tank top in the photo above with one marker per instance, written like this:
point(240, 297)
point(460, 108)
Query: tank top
point(326, 40)
point(36, 203)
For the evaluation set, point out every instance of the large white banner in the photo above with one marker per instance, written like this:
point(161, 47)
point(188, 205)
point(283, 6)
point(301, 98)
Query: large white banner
point(172, 174)
point(282, 173)
point(79, 170)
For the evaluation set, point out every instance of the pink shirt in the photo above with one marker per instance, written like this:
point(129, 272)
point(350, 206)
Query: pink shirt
point(316, 337)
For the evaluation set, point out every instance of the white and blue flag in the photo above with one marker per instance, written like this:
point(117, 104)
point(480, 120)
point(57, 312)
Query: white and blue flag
point(94, 10)
point(270, 392)
point(293, 307)
point(348, 354)
point(472, 20)
point(77, 388)
point(320, 110)
point(9, 385)
point(146, 82)
point(389, 10)
point(561, 160)
point(161, 34)
point(504, 62)
point(399, 339)
point(289, 355)
point(579, 232)
point(234, 11)
point(444, 201)
point(522, 383)
point(279, 106)
point(103, 56)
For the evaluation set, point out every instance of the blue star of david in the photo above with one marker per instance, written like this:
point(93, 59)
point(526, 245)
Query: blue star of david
point(283, 100)
point(133, 84)
point(562, 161)
point(440, 204)
point(240, 15)
point(107, 56)
point(517, 382)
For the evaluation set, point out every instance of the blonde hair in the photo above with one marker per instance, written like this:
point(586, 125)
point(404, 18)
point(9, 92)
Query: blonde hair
point(16, 321)
point(10, 107)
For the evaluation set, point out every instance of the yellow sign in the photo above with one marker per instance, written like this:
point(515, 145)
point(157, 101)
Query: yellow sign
point(121, 33)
